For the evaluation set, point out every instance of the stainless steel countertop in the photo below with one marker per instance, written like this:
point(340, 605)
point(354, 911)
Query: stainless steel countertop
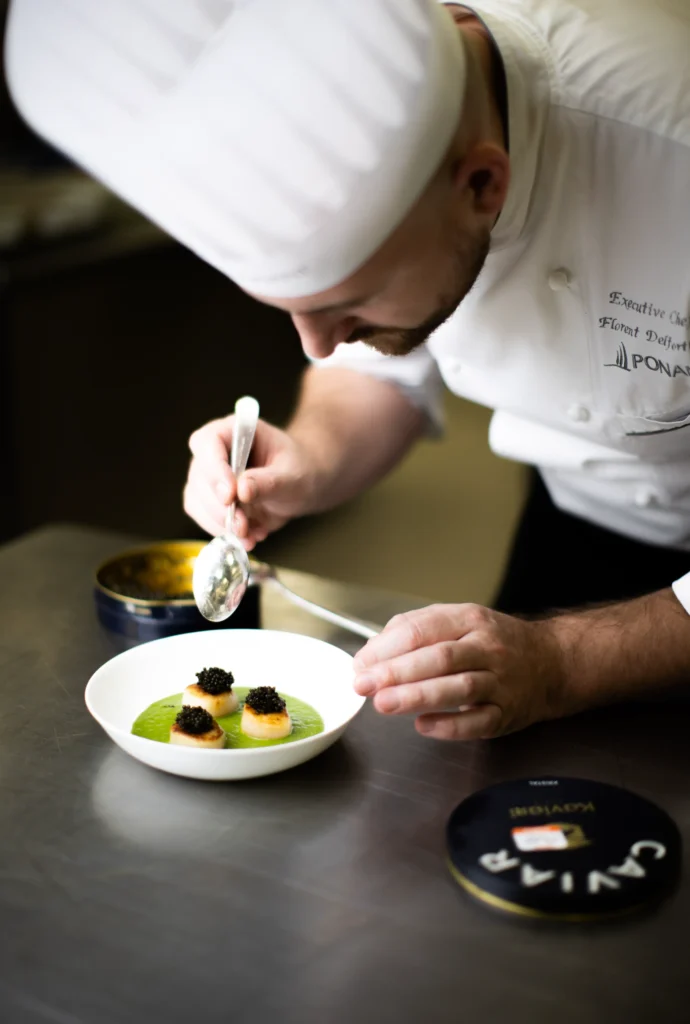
point(318, 895)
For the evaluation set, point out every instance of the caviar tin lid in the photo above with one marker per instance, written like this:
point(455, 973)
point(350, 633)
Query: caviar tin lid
point(563, 848)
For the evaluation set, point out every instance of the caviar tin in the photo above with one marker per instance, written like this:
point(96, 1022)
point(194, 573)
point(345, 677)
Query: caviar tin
point(146, 593)
point(563, 849)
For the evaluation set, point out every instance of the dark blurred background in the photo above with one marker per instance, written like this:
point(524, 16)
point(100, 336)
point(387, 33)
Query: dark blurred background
point(116, 343)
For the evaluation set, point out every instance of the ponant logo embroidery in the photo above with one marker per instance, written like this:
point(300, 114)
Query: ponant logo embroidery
point(621, 362)
point(625, 362)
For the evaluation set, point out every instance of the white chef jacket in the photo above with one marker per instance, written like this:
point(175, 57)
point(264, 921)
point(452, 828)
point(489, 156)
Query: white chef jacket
point(577, 332)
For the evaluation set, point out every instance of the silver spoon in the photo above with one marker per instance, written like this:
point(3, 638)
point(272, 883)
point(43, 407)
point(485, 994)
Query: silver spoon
point(221, 569)
point(259, 572)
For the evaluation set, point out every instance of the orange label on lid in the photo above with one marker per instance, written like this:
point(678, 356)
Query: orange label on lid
point(539, 837)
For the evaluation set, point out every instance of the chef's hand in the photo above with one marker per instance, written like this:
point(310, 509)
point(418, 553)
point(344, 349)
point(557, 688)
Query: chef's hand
point(492, 672)
point(273, 490)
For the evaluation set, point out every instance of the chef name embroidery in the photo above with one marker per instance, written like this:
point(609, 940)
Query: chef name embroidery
point(671, 331)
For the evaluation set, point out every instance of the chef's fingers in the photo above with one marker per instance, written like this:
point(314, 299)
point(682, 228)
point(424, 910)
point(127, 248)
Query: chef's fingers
point(201, 495)
point(254, 525)
point(240, 523)
point(264, 484)
point(257, 530)
point(249, 528)
point(213, 440)
point(421, 628)
point(443, 659)
point(480, 723)
point(211, 458)
point(202, 504)
point(447, 693)
point(210, 516)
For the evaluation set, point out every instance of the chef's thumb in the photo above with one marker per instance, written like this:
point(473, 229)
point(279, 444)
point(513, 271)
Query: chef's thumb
point(257, 485)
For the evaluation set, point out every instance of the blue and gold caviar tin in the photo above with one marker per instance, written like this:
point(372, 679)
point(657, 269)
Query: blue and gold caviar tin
point(146, 593)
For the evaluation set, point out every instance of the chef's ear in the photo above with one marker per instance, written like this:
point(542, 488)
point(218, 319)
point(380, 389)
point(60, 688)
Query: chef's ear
point(484, 173)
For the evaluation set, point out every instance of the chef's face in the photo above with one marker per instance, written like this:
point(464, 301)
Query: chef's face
point(418, 277)
point(418, 291)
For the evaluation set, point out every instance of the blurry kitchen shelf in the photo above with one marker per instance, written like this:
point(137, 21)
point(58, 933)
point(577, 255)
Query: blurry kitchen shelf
point(61, 219)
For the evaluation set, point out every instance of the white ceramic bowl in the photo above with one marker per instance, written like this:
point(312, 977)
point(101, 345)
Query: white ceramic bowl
point(300, 666)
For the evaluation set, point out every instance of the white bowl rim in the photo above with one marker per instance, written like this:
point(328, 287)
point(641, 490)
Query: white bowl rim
point(226, 751)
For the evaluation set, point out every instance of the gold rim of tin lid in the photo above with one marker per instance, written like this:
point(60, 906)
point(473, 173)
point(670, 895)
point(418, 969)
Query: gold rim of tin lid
point(516, 909)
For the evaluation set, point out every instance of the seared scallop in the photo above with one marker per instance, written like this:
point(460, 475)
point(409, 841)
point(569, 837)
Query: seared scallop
point(213, 692)
point(265, 715)
point(194, 727)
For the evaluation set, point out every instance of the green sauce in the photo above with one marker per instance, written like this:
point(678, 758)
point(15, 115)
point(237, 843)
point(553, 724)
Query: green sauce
point(155, 722)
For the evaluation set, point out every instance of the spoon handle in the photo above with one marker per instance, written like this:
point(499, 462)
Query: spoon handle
point(244, 428)
point(358, 626)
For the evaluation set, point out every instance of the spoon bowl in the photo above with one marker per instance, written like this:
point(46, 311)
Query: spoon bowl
point(221, 577)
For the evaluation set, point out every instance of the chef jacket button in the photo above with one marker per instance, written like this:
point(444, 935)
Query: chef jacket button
point(559, 280)
point(579, 413)
point(646, 497)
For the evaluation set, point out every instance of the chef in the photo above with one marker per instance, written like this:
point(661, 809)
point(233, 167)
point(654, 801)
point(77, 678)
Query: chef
point(495, 199)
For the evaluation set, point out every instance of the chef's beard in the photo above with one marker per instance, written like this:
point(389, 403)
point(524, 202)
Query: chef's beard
point(468, 259)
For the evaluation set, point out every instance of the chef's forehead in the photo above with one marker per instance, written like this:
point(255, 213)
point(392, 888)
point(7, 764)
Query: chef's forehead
point(281, 140)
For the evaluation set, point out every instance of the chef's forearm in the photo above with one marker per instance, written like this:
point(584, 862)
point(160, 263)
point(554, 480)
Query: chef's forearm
point(356, 428)
point(621, 650)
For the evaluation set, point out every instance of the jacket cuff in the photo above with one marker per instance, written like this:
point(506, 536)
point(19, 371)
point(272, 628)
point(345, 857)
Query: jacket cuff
point(681, 588)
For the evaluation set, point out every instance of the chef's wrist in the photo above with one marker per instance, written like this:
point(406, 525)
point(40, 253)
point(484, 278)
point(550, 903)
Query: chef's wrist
point(557, 641)
point(317, 461)
point(573, 687)
point(617, 651)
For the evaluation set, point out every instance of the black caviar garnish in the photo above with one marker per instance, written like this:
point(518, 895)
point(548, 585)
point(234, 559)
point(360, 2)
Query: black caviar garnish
point(264, 700)
point(194, 721)
point(215, 681)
